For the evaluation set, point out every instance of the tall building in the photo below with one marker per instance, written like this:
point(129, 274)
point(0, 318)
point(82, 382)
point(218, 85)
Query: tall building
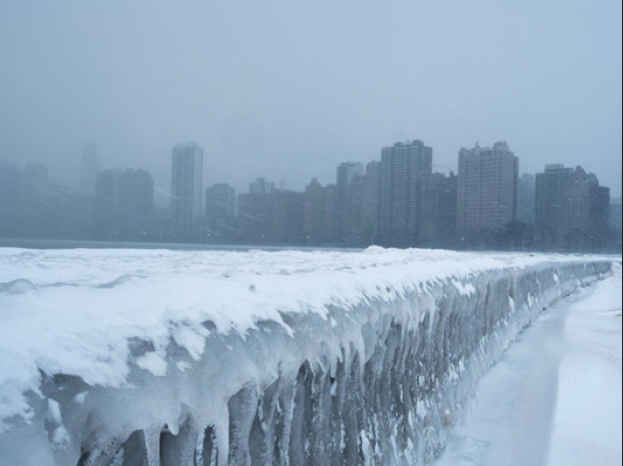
point(271, 216)
point(615, 214)
point(221, 211)
point(372, 186)
point(255, 212)
point(89, 168)
point(526, 203)
point(614, 223)
point(11, 202)
point(438, 210)
point(319, 214)
point(402, 167)
point(36, 187)
point(586, 204)
point(549, 202)
point(348, 192)
point(124, 204)
point(572, 209)
point(288, 217)
point(487, 188)
point(32, 207)
point(186, 190)
point(261, 186)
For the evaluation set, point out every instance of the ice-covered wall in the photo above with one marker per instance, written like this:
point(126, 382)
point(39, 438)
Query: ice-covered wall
point(373, 371)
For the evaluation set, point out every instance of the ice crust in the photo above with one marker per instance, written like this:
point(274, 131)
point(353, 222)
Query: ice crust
point(146, 357)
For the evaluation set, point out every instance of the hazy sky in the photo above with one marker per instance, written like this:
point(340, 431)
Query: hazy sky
point(289, 89)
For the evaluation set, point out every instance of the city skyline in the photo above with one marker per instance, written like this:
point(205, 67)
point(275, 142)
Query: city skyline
point(398, 201)
point(163, 193)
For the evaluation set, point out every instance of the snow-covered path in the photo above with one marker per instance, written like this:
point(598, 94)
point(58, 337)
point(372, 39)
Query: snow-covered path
point(554, 398)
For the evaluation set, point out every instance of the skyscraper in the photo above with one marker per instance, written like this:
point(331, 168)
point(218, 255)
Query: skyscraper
point(349, 182)
point(402, 167)
point(549, 203)
point(571, 209)
point(288, 217)
point(614, 220)
point(438, 210)
point(271, 216)
point(487, 188)
point(186, 190)
point(526, 204)
point(89, 168)
point(11, 202)
point(261, 186)
point(372, 182)
point(124, 204)
point(319, 214)
point(256, 211)
point(36, 187)
point(220, 211)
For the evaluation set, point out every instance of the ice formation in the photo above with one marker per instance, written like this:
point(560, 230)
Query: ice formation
point(144, 358)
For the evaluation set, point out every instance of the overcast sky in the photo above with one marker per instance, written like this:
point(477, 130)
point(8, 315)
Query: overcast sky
point(289, 89)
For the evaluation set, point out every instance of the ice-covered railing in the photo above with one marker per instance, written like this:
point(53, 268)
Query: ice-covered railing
point(145, 358)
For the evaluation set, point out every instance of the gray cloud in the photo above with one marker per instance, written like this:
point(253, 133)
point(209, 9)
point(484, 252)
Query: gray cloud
point(287, 90)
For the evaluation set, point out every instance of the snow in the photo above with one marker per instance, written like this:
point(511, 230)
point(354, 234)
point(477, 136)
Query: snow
point(554, 398)
point(81, 307)
point(135, 345)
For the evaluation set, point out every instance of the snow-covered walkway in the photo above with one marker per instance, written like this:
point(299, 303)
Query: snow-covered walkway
point(554, 398)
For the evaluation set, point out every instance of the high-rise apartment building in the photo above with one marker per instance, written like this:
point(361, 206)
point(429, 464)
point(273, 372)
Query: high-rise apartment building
point(319, 214)
point(372, 186)
point(487, 188)
point(402, 167)
point(89, 168)
point(614, 220)
point(261, 186)
point(186, 190)
point(288, 217)
point(124, 204)
point(11, 202)
point(549, 201)
point(255, 212)
point(349, 192)
point(571, 208)
point(438, 210)
point(271, 216)
point(36, 218)
point(526, 203)
point(220, 211)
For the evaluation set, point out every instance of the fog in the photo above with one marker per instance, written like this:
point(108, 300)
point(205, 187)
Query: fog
point(288, 90)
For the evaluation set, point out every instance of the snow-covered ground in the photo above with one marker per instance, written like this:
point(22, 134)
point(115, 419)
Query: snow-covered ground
point(554, 398)
point(74, 311)
point(288, 357)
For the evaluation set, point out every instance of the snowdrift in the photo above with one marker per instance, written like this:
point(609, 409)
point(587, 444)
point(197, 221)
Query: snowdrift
point(145, 358)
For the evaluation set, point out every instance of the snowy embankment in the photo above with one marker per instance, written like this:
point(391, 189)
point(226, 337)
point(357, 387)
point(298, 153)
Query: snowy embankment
point(128, 357)
point(554, 398)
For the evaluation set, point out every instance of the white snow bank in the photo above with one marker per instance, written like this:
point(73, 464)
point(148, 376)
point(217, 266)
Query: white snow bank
point(554, 398)
point(99, 315)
